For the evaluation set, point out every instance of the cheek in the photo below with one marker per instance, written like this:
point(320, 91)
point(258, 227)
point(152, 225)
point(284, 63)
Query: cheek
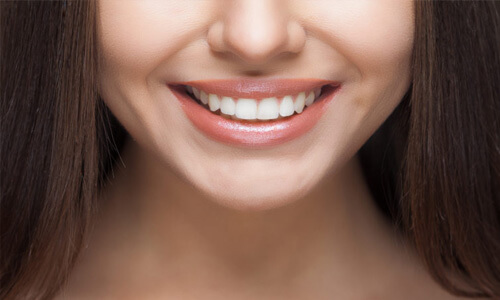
point(381, 52)
point(376, 37)
point(373, 35)
point(136, 35)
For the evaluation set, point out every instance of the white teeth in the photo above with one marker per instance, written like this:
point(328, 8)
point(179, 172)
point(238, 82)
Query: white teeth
point(204, 97)
point(317, 92)
point(286, 106)
point(251, 109)
point(310, 99)
point(196, 93)
point(213, 102)
point(300, 101)
point(227, 106)
point(268, 109)
point(246, 109)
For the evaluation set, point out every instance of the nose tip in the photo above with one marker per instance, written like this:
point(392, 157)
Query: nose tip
point(256, 31)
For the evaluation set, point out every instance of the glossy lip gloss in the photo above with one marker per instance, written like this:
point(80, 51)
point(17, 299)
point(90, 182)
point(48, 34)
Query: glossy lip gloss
point(251, 134)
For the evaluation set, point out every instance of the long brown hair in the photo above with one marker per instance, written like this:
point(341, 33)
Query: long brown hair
point(434, 166)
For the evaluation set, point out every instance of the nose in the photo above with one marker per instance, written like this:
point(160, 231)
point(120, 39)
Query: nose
point(256, 31)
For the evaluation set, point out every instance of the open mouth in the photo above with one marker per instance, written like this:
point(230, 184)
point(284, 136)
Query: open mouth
point(251, 109)
point(254, 113)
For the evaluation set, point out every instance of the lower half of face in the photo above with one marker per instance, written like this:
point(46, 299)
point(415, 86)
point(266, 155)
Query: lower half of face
point(254, 102)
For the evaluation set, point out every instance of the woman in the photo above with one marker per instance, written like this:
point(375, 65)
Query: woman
point(250, 149)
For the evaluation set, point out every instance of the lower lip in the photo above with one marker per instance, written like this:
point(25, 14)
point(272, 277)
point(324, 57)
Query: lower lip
point(257, 134)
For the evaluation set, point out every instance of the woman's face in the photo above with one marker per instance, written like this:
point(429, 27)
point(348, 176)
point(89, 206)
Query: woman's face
point(261, 59)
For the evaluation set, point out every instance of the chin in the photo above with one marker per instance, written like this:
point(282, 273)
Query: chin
point(270, 195)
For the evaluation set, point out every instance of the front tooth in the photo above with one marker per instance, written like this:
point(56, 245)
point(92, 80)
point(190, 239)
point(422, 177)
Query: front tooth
point(213, 102)
point(286, 106)
point(246, 109)
point(196, 93)
point(203, 97)
point(300, 102)
point(268, 109)
point(310, 99)
point(227, 106)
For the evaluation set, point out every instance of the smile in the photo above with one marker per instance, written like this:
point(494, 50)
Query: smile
point(270, 108)
point(254, 113)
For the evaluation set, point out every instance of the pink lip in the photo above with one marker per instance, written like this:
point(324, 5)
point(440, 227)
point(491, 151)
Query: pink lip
point(256, 89)
point(255, 134)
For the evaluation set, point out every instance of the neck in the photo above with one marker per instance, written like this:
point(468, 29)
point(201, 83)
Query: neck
point(166, 219)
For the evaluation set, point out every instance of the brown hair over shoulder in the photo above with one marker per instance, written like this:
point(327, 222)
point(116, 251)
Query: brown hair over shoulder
point(433, 167)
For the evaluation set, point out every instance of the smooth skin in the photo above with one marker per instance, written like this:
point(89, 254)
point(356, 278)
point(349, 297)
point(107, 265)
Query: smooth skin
point(186, 217)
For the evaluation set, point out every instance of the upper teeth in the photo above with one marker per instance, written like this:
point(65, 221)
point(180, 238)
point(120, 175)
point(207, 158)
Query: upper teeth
point(252, 109)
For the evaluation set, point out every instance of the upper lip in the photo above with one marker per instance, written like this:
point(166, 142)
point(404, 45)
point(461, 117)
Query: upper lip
point(257, 88)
